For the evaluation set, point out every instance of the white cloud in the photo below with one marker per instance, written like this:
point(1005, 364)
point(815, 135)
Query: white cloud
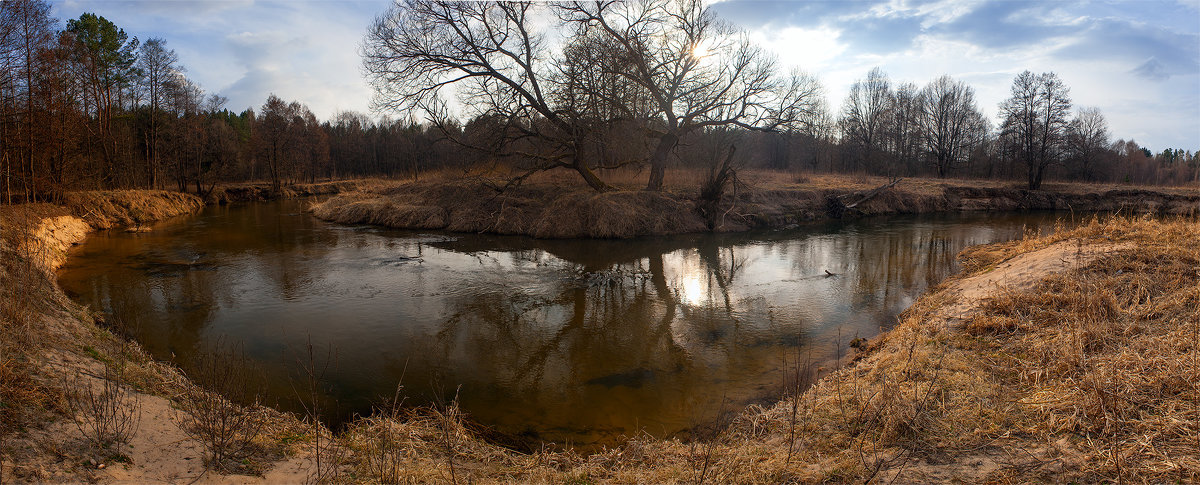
point(805, 48)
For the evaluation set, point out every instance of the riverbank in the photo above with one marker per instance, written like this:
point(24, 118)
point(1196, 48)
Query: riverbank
point(553, 208)
point(258, 192)
point(77, 401)
point(1058, 358)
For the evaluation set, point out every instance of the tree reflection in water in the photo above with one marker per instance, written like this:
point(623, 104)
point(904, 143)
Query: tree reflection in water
point(569, 341)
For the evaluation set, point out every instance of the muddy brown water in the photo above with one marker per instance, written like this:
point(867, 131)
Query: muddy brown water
point(567, 341)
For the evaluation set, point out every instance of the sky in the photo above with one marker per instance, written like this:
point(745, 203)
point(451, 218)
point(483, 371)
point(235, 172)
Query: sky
point(1137, 61)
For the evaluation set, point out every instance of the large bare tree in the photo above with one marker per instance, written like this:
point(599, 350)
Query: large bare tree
point(498, 62)
point(950, 123)
point(903, 129)
point(671, 67)
point(275, 137)
point(699, 72)
point(1035, 122)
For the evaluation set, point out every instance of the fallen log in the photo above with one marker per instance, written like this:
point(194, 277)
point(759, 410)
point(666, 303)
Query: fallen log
point(835, 206)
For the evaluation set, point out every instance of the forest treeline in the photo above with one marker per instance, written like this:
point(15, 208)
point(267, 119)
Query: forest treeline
point(85, 105)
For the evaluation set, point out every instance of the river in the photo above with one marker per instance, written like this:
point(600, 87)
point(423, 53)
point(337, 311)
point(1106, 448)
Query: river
point(569, 341)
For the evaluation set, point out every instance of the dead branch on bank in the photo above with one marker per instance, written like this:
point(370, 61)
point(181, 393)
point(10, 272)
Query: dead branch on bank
point(836, 206)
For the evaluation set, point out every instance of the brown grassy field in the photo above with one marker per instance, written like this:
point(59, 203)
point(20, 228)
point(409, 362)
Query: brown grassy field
point(1066, 357)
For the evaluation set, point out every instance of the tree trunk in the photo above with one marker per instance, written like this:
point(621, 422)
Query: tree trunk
point(658, 162)
point(1035, 175)
point(590, 177)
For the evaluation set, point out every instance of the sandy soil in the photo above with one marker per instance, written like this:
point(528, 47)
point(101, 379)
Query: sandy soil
point(1019, 274)
point(159, 450)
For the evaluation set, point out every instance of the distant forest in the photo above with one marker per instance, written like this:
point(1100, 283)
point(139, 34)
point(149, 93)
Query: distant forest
point(84, 105)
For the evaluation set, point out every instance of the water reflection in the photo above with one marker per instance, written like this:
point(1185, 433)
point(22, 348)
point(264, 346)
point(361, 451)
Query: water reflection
point(568, 341)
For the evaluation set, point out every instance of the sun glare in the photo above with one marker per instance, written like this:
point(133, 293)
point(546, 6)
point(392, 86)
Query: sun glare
point(691, 291)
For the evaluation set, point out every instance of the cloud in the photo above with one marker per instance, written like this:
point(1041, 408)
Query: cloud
point(1152, 70)
point(882, 35)
point(1133, 41)
point(757, 14)
point(1005, 25)
point(807, 48)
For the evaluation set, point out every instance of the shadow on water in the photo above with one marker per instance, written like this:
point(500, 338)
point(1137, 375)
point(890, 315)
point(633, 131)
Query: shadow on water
point(571, 341)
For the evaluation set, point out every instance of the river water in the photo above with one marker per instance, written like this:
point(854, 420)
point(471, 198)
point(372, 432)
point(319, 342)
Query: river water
point(566, 341)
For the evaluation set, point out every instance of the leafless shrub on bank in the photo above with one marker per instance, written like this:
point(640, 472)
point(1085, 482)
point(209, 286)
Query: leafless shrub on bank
point(104, 412)
point(219, 412)
point(449, 419)
point(328, 454)
point(797, 378)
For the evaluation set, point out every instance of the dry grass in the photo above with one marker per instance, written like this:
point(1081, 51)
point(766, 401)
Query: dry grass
point(557, 204)
point(542, 211)
point(1107, 356)
point(103, 209)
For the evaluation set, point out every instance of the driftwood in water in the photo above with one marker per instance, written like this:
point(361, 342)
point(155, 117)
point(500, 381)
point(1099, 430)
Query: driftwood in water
point(836, 207)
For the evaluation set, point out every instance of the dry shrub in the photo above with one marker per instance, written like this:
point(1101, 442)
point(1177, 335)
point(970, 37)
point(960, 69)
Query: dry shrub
point(220, 410)
point(105, 413)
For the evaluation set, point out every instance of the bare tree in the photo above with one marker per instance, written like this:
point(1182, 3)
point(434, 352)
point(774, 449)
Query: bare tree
point(1087, 141)
point(903, 128)
point(493, 56)
point(609, 109)
point(670, 67)
point(186, 100)
point(27, 29)
point(8, 80)
point(275, 135)
point(699, 72)
point(1035, 122)
point(950, 123)
point(865, 115)
point(159, 67)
